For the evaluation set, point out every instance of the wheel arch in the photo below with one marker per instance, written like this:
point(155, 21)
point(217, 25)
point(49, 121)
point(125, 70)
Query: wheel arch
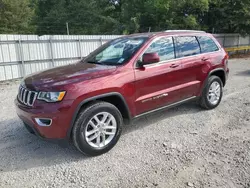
point(220, 72)
point(114, 98)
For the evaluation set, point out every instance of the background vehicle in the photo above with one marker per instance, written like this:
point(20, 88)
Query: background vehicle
point(124, 79)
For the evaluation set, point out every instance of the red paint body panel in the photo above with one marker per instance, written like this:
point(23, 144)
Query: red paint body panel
point(143, 89)
point(58, 112)
point(159, 80)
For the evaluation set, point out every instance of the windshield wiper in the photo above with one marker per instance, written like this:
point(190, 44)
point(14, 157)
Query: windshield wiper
point(91, 61)
point(95, 62)
point(102, 63)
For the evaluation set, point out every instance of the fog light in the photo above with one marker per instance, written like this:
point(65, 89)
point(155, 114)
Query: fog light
point(43, 122)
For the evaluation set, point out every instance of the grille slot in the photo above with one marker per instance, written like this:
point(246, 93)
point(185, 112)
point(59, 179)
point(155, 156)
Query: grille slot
point(26, 96)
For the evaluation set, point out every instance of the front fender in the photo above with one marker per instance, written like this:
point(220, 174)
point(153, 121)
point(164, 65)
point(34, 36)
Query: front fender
point(85, 101)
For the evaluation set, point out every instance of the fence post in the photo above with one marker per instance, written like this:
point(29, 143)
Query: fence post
point(80, 49)
point(238, 40)
point(248, 42)
point(238, 43)
point(23, 72)
point(51, 52)
point(101, 42)
point(224, 40)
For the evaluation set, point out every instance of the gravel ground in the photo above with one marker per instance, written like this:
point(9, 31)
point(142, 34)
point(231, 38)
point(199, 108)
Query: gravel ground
point(182, 147)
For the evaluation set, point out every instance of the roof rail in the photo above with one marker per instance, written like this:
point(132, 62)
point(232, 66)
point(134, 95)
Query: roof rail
point(195, 31)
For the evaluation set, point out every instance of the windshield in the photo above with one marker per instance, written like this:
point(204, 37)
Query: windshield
point(117, 51)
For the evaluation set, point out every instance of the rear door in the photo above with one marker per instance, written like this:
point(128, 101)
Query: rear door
point(211, 56)
point(210, 51)
point(189, 52)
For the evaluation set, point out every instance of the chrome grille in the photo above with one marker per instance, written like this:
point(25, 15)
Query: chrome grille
point(26, 97)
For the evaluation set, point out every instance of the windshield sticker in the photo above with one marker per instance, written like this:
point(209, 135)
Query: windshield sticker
point(134, 42)
point(121, 60)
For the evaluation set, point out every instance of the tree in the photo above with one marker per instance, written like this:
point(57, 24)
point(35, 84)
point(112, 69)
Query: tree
point(16, 17)
point(123, 16)
point(186, 14)
point(158, 15)
point(83, 16)
point(230, 16)
point(51, 16)
point(142, 16)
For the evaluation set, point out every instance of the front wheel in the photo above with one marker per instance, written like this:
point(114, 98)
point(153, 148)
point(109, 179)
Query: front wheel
point(97, 128)
point(212, 93)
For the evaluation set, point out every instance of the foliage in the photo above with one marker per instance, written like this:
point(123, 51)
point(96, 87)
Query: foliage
point(123, 16)
point(230, 16)
point(16, 16)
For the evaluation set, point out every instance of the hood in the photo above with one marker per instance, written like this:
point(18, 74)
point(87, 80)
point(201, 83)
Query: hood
point(66, 75)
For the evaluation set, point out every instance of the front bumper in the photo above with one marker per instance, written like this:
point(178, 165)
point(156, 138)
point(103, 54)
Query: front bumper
point(33, 130)
point(59, 113)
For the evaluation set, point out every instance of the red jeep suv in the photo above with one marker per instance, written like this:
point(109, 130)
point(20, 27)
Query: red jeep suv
point(88, 102)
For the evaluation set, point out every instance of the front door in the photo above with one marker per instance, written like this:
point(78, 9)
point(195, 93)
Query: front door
point(158, 84)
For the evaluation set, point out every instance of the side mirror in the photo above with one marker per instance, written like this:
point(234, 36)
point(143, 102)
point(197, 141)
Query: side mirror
point(150, 58)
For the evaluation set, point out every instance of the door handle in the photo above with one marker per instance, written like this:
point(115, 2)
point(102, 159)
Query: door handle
point(174, 65)
point(205, 59)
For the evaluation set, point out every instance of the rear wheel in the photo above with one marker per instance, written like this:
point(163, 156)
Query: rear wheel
point(97, 128)
point(212, 93)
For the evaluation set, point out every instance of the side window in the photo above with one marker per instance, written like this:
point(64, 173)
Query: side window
point(164, 47)
point(207, 44)
point(186, 46)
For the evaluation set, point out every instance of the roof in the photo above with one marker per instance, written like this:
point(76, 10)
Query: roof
point(143, 34)
point(184, 31)
point(167, 32)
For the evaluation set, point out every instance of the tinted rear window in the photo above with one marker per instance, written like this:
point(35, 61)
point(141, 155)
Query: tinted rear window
point(186, 46)
point(207, 44)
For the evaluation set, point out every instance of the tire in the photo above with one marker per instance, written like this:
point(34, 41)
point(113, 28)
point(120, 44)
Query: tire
point(204, 100)
point(86, 122)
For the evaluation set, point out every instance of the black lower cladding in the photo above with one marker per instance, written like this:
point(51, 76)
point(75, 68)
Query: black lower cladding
point(32, 130)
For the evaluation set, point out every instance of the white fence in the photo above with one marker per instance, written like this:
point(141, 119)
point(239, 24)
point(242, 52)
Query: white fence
point(21, 55)
point(232, 40)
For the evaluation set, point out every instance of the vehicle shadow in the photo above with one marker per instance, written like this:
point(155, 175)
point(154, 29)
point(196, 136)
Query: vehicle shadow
point(20, 150)
point(243, 73)
point(144, 121)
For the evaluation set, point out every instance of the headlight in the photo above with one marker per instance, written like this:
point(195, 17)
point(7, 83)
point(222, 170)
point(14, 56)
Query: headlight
point(51, 96)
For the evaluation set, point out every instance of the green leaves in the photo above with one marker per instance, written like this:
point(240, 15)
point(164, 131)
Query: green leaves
point(229, 16)
point(16, 16)
point(123, 16)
